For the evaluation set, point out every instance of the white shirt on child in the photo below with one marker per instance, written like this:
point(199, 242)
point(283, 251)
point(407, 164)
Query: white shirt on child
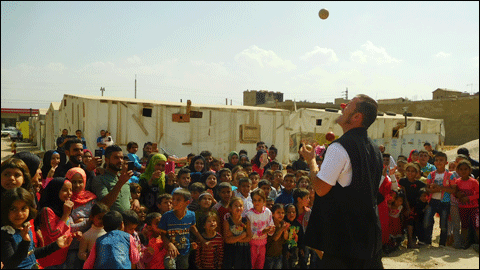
point(439, 181)
point(259, 221)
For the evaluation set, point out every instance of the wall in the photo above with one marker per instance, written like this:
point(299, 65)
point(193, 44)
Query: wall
point(461, 116)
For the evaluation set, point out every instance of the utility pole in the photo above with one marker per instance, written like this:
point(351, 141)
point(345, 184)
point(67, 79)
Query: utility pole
point(346, 94)
point(102, 89)
point(135, 85)
point(471, 88)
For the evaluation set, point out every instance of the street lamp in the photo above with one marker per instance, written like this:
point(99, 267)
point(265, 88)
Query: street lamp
point(405, 113)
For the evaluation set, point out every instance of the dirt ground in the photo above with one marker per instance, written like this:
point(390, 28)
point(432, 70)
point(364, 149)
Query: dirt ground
point(420, 258)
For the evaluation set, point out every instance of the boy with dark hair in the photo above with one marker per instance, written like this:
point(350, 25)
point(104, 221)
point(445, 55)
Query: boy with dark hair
point(164, 203)
point(248, 167)
point(89, 238)
point(207, 155)
point(109, 249)
point(225, 175)
point(176, 226)
point(243, 192)
point(195, 189)
point(286, 196)
point(151, 223)
point(301, 198)
point(216, 165)
point(290, 168)
point(225, 193)
point(132, 148)
point(183, 179)
point(439, 185)
point(266, 186)
point(425, 167)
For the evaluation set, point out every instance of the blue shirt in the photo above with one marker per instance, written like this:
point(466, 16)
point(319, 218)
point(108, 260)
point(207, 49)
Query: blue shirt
point(135, 159)
point(285, 197)
point(178, 231)
point(113, 251)
point(100, 140)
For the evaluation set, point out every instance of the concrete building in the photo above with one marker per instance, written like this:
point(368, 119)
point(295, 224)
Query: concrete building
point(254, 97)
point(443, 93)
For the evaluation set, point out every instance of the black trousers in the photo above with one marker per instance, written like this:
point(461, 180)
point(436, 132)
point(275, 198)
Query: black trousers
point(335, 262)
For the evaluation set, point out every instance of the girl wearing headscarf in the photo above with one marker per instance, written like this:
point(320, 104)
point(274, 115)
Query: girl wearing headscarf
point(413, 156)
point(259, 161)
point(232, 160)
point(152, 181)
point(83, 201)
point(51, 160)
point(242, 159)
point(209, 179)
point(54, 221)
point(197, 167)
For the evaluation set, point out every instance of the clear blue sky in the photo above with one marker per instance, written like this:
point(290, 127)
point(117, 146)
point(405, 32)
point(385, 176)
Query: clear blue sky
point(209, 51)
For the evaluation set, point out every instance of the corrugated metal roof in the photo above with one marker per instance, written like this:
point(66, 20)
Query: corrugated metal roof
point(194, 105)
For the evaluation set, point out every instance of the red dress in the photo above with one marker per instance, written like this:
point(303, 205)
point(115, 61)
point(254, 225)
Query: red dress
point(385, 189)
point(395, 223)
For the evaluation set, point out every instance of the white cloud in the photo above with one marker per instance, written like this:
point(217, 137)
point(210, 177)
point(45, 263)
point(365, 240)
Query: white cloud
point(372, 53)
point(59, 67)
point(134, 60)
point(442, 55)
point(263, 59)
point(320, 55)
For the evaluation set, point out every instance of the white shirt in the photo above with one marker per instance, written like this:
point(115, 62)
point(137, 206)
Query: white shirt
point(336, 166)
point(439, 181)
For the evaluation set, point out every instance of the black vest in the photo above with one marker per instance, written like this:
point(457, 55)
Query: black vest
point(345, 221)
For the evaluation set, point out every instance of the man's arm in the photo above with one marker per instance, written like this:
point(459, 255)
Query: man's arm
point(320, 186)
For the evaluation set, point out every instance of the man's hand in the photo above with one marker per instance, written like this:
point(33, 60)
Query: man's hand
point(171, 178)
point(125, 176)
point(94, 163)
point(308, 155)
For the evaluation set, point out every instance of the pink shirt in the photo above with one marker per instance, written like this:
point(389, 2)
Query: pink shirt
point(469, 188)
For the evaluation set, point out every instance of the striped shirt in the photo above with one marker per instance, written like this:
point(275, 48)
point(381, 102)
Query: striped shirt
point(211, 255)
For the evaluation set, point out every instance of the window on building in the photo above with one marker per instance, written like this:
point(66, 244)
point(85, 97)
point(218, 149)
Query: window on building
point(319, 122)
point(147, 112)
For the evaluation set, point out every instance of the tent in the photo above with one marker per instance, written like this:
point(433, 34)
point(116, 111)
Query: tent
point(52, 128)
point(311, 125)
point(179, 128)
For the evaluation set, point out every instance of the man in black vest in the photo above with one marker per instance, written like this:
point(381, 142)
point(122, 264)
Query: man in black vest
point(344, 223)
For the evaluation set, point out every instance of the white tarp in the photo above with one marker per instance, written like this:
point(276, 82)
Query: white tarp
point(472, 147)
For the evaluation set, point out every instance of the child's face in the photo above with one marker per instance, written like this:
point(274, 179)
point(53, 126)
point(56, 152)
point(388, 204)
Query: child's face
point(165, 205)
point(66, 191)
point(258, 203)
point(248, 169)
point(142, 213)
point(179, 203)
point(154, 225)
point(55, 160)
point(130, 228)
point(195, 195)
point(136, 194)
point(236, 208)
point(98, 220)
point(464, 171)
point(415, 156)
point(206, 202)
point(244, 188)
point(270, 203)
point(386, 161)
point(217, 166)
point(289, 170)
point(184, 180)
point(133, 149)
point(18, 213)
point(303, 183)
point(160, 166)
point(424, 197)
point(225, 194)
point(266, 189)
point(275, 167)
point(291, 213)
point(234, 160)
point(210, 224)
point(243, 160)
point(279, 214)
point(303, 201)
point(198, 165)
point(398, 201)
point(272, 154)
point(411, 173)
point(401, 167)
point(289, 183)
point(36, 185)
point(211, 181)
point(226, 177)
point(255, 179)
point(278, 178)
point(452, 166)
point(77, 183)
point(423, 158)
point(12, 178)
point(440, 162)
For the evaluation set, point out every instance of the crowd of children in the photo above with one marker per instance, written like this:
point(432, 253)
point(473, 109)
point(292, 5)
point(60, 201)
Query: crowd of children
point(209, 215)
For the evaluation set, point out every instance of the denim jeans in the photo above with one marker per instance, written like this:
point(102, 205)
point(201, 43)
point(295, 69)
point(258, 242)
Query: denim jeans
point(179, 262)
point(273, 262)
point(443, 209)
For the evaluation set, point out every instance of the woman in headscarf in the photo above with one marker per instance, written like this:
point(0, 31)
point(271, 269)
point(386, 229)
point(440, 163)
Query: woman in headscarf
point(83, 201)
point(259, 161)
point(55, 220)
point(413, 156)
point(232, 160)
point(197, 167)
point(51, 160)
point(152, 181)
point(209, 179)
